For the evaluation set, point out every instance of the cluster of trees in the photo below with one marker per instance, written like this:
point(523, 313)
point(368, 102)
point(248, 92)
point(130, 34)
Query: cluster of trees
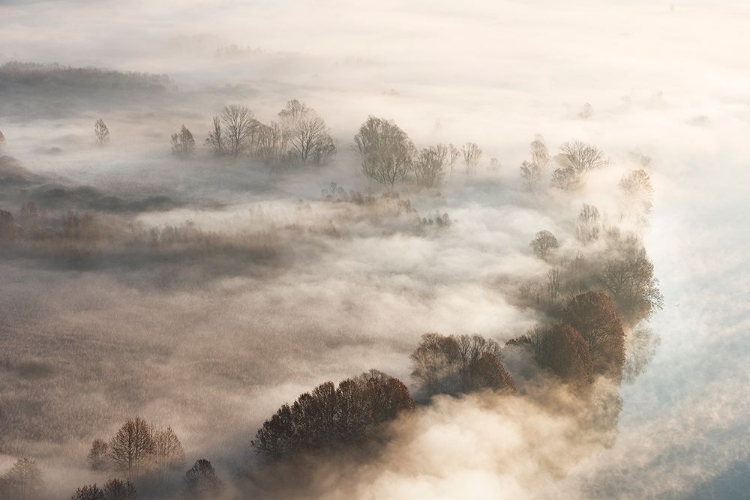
point(619, 267)
point(390, 157)
point(59, 78)
point(587, 339)
point(114, 489)
point(456, 365)
point(575, 160)
point(200, 483)
point(22, 482)
point(353, 413)
point(300, 137)
point(330, 417)
point(138, 448)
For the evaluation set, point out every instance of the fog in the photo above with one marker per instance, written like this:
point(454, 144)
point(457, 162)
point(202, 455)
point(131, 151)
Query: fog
point(277, 282)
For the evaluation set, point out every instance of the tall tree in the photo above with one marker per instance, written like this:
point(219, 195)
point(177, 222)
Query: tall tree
point(132, 447)
point(387, 152)
point(594, 315)
point(306, 133)
point(233, 131)
point(472, 154)
point(429, 166)
point(588, 228)
point(637, 194)
point(101, 131)
point(168, 453)
point(23, 481)
point(98, 457)
point(183, 143)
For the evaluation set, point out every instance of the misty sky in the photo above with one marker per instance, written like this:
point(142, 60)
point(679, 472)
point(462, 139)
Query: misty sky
point(670, 79)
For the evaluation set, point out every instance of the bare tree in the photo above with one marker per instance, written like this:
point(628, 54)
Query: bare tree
point(429, 166)
point(387, 152)
point(2, 138)
point(101, 131)
point(306, 133)
point(539, 153)
point(588, 228)
point(532, 174)
point(576, 159)
point(553, 283)
point(472, 154)
point(269, 144)
point(132, 447)
point(23, 481)
point(183, 143)
point(543, 244)
point(637, 195)
point(233, 131)
point(215, 137)
point(168, 453)
point(98, 457)
point(453, 154)
point(533, 171)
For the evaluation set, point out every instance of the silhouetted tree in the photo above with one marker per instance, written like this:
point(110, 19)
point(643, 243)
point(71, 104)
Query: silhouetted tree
point(429, 166)
point(472, 154)
point(89, 492)
point(576, 159)
point(183, 143)
point(117, 489)
point(98, 457)
point(201, 481)
point(101, 131)
point(594, 315)
point(330, 417)
point(543, 244)
point(233, 131)
point(132, 447)
point(306, 133)
point(562, 350)
point(23, 481)
point(387, 152)
point(270, 144)
point(456, 364)
point(2, 139)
